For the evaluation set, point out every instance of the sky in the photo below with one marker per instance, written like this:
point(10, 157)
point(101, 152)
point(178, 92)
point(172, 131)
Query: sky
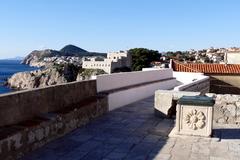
point(112, 25)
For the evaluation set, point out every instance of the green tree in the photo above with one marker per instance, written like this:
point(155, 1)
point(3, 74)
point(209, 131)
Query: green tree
point(142, 57)
point(121, 69)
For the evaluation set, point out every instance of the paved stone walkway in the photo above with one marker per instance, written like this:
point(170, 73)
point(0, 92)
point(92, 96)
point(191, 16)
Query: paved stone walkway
point(134, 133)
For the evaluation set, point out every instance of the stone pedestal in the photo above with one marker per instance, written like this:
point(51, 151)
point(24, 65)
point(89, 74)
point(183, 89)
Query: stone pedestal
point(194, 116)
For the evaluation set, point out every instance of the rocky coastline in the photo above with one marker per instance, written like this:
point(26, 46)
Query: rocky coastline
point(56, 67)
point(50, 76)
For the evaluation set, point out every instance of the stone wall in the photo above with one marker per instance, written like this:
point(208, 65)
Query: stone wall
point(165, 101)
point(129, 87)
point(224, 84)
point(16, 140)
point(202, 86)
point(226, 108)
point(120, 80)
point(225, 111)
point(23, 105)
point(121, 97)
point(193, 82)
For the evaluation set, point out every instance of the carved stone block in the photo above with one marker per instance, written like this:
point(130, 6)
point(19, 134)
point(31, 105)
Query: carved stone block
point(194, 116)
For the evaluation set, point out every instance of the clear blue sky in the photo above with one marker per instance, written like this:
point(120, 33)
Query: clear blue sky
point(109, 25)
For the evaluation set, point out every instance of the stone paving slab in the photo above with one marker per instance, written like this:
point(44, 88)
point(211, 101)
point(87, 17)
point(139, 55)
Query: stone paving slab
point(133, 132)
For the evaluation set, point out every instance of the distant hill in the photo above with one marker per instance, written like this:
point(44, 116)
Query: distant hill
point(69, 50)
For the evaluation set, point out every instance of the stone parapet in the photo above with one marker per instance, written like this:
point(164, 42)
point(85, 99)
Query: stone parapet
point(202, 85)
point(165, 101)
point(226, 108)
point(26, 136)
point(23, 105)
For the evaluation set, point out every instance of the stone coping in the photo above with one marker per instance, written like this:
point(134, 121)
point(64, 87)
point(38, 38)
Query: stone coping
point(196, 100)
point(190, 84)
point(43, 88)
point(134, 86)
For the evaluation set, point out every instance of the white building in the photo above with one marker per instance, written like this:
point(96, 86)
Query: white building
point(232, 57)
point(114, 60)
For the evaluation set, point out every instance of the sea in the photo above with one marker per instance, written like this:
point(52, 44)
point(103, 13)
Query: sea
point(7, 69)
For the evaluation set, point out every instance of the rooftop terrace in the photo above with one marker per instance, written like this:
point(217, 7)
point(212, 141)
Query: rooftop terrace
point(133, 132)
point(112, 118)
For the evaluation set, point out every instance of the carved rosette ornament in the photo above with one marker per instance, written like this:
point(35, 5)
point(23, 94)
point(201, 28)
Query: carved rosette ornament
point(195, 119)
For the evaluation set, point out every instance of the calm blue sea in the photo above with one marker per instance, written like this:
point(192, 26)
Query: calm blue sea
point(7, 69)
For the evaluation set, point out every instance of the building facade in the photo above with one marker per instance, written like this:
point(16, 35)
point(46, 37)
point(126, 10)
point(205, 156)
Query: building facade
point(114, 60)
point(224, 78)
point(232, 57)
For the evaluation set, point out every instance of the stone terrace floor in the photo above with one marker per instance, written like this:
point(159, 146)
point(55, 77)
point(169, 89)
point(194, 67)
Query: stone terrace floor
point(133, 132)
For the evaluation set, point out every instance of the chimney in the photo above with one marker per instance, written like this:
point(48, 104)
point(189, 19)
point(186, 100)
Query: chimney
point(170, 64)
point(225, 59)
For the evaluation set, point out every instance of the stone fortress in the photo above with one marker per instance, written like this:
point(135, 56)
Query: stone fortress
point(114, 60)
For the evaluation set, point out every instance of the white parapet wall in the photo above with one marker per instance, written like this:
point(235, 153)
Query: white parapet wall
point(189, 81)
point(129, 87)
point(187, 77)
point(125, 97)
point(119, 80)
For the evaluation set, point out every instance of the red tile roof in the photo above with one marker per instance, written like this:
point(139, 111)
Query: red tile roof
point(206, 68)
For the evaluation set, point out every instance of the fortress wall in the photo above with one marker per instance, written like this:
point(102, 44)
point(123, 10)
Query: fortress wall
point(23, 105)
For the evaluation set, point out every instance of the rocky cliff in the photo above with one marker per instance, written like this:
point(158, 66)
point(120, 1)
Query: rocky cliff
point(35, 79)
point(35, 58)
point(51, 76)
point(56, 67)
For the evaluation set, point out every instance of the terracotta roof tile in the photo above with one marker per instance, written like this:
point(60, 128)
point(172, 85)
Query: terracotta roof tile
point(206, 68)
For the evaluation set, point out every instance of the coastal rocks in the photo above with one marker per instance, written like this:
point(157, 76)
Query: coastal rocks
point(56, 74)
point(56, 67)
point(35, 79)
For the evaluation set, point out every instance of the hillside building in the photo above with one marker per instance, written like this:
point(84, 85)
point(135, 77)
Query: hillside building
point(114, 60)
